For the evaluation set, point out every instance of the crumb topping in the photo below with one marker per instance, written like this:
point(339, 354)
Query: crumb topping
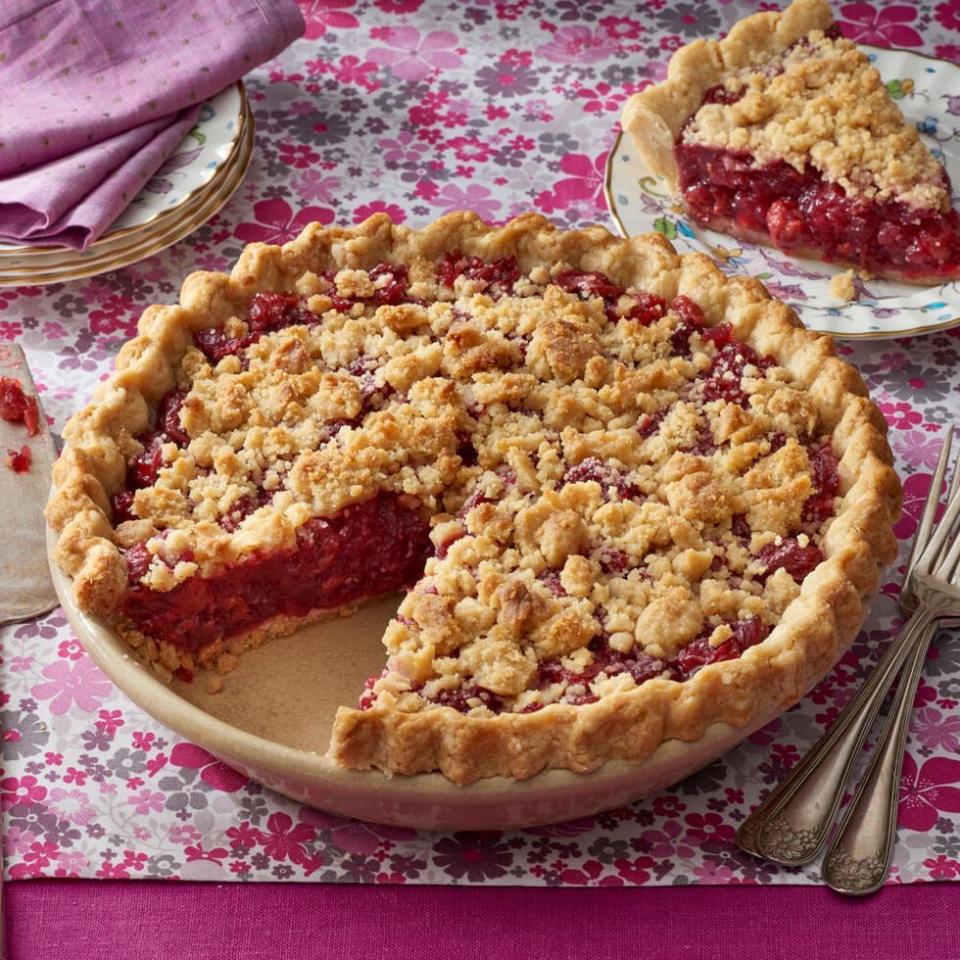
point(821, 102)
point(843, 286)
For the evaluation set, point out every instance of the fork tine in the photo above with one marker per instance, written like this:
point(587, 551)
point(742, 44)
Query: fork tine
point(947, 567)
point(955, 483)
point(928, 559)
point(933, 498)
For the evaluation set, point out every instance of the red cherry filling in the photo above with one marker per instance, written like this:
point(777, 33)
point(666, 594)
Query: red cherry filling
point(587, 284)
point(216, 345)
point(720, 94)
point(698, 653)
point(551, 580)
point(740, 527)
point(122, 505)
point(614, 561)
point(798, 561)
point(273, 311)
point(394, 291)
point(366, 549)
point(647, 308)
point(502, 272)
point(145, 468)
point(606, 474)
point(801, 210)
point(724, 382)
point(17, 406)
point(138, 559)
point(826, 482)
point(19, 460)
point(460, 697)
point(269, 312)
point(691, 319)
point(649, 423)
point(168, 417)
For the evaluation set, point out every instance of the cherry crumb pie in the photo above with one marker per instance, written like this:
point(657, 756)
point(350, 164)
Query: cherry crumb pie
point(784, 134)
point(626, 496)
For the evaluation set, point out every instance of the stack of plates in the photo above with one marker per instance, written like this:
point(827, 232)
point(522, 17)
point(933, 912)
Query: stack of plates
point(193, 184)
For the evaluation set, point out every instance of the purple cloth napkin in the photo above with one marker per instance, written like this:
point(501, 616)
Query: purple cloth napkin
point(96, 94)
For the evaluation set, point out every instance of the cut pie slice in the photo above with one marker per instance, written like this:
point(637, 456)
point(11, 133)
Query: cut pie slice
point(783, 133)
point(628, 498)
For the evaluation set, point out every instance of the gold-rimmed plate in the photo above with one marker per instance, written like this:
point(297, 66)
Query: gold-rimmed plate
point(165, 232)
point(200, 161)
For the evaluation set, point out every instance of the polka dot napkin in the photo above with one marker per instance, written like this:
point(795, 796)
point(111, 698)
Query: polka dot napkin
point(98, 93)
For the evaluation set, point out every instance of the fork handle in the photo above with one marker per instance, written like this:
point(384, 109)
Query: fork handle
point(858, 858)
point(792, 825)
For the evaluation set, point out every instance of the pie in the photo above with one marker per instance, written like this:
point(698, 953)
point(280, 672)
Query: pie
point(784, 134)
point(626, 496)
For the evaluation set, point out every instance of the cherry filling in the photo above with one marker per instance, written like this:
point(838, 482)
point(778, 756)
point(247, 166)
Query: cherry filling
point(382, 544)
point(502, 272)
point(366, 549)
point(17, 407)
point(696, 655)
point(797, 560)
point(699, 652)
point(269, 312)
point(645, 308)
point(19, 460)
point(826, 483)
point(606, 474)
point(723, 189)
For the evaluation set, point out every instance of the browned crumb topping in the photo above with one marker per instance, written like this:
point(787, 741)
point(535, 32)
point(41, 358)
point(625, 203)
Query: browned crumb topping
point(822, 102)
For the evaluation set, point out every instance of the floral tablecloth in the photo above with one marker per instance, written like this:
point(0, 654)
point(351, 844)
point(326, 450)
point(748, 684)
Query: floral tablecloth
point(417, 108)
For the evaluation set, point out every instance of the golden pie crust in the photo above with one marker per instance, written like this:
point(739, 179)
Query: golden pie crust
point(586, 377)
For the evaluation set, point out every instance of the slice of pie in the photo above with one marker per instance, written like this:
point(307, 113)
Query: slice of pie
point(784, 134)
point(627, 497)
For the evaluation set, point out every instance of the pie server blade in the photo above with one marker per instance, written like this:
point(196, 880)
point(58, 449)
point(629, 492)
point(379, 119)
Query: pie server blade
point(26, 590)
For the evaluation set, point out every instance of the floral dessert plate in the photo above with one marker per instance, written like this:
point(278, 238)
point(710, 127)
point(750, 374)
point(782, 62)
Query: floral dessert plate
point(926, 91)
point(197, 163)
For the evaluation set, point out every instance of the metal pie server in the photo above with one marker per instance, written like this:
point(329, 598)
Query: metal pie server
point(26, 590)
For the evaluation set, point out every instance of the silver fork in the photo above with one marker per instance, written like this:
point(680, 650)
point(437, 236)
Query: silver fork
point(858, 858)
point(791, 826)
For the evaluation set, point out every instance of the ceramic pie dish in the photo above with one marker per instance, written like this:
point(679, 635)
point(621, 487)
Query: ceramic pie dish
point(638, 508)
point(271, 723)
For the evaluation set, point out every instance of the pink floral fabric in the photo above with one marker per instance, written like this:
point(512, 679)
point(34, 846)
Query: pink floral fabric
point(416, 107)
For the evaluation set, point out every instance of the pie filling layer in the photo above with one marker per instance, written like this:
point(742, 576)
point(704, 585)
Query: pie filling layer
point(726, 190)
point(365, 550)
point(588, 487)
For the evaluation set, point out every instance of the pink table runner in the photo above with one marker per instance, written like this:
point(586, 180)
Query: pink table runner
point(97, 95)
point(73, 920)
point(406, 106)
